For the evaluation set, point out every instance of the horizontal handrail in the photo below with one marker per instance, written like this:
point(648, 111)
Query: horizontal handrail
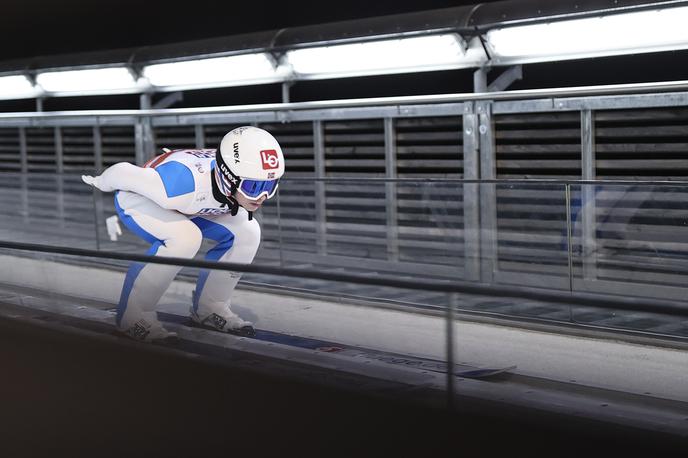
point(488, 181)
point(575, 91)
point(506, 181)
point(570, 298)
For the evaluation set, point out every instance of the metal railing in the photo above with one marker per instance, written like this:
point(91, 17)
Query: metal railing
point(473, 144)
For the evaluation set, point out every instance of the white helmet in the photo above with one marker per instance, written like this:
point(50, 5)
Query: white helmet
point(250, 161)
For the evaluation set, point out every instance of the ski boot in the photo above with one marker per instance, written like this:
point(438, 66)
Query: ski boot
point(146, 331)
point(227, 322)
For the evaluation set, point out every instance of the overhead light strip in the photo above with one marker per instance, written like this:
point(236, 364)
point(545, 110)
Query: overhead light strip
point(425, 53)
point(16, 87)
point(87, 80)
point(627, 33)
point(222, 71)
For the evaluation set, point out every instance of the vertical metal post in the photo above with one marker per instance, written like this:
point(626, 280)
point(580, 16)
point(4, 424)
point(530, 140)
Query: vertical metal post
point(139, 148)
point(24, 167)
point(144, 140)
point(320, 206)
point(569, 233)
point(480, 80)
point(39, 104)
point(98, 208)
point(23, 151)
point(145, 101)
point(285, 91)
point(199, 136)
point(391, 190)
point(279, 229)
point(143, 130)
point(488, 195)
point(453, 302)
point(59, 166)
point(25, 197)
point(59, 150)
point(588, 199)
point(97, 149)
point(60, 199)
point(148, 137)
point(471, 194)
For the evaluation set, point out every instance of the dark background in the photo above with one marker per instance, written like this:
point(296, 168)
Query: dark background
point(40, 27)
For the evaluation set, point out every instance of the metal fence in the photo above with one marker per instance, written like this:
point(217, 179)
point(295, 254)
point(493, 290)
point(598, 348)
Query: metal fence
point(632, 238)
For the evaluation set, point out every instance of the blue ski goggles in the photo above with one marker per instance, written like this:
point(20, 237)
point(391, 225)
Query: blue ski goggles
point(253, 189)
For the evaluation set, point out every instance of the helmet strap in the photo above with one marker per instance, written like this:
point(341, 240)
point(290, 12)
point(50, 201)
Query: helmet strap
point(230, 201)
point(219, 195)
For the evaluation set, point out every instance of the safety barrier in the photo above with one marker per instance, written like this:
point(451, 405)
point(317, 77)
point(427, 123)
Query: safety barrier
point(364, 181)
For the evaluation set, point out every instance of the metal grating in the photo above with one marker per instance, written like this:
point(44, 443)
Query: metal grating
point(78, 149)
point(10, 160)
point(213, 133)
point(429, 147)
point(638, 233)
point(40, 148)
point(647, 144)
point(297, 216)
point(296, 140)
point(540, 145)
point(354, 148)
point(356, 220)
point(118, 145)
point(176, 137)
point(531, 219)
point(531, 229)
point(641, 234)
point(430, 224)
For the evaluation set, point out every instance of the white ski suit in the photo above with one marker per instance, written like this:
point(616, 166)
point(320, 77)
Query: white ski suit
point(169, 202)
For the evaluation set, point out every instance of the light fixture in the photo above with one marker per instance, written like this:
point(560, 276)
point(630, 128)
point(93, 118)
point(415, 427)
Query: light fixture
point(87, 80)
point(615, 34)
point(217, 71)
point(16, 87)
point(433, 52)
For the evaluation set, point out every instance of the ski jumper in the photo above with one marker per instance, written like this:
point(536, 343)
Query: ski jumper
point(169, 202)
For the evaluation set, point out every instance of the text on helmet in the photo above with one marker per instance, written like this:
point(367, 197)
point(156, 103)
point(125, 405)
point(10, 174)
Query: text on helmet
point(225, 171)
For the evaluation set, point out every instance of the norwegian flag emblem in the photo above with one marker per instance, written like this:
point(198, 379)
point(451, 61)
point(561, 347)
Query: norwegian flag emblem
point(269, 158)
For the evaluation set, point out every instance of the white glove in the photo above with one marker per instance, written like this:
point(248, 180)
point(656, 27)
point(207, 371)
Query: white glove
point(93, 181)
point(113, 228)
point(97, 182)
